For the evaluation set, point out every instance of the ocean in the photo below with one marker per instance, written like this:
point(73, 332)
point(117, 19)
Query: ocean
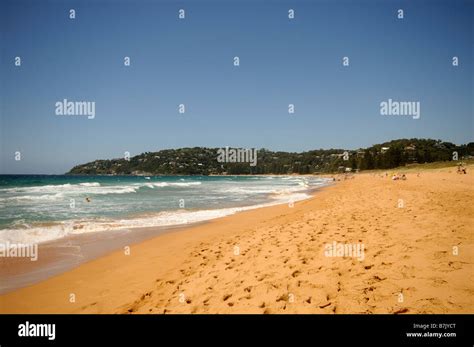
point(39, 208)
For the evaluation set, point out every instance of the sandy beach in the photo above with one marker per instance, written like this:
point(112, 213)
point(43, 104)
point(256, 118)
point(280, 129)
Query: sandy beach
point(417, 236)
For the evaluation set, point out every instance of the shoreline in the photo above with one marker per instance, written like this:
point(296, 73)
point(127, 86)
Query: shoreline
point(195, 270)
point(150, 217)
point(64, 254)
point(165, 239)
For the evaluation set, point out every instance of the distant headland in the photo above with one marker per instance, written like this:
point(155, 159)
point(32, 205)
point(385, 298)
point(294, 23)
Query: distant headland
point(208, 161)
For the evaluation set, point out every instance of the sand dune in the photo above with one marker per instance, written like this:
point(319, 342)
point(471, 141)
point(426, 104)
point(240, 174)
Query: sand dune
point(272, 260)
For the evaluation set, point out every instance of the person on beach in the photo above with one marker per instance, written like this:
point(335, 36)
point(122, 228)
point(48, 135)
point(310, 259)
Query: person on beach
point(461, 169)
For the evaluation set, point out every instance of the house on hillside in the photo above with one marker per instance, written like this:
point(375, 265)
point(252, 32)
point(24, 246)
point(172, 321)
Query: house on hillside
point(411, 153)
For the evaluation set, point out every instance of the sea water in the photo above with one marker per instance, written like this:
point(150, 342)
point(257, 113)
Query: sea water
point(39, 208)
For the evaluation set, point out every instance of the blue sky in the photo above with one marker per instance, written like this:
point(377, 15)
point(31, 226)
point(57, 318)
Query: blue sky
point(190, 61)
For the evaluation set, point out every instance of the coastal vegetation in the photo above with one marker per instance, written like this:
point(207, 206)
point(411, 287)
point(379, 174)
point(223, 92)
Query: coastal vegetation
point(203, 161)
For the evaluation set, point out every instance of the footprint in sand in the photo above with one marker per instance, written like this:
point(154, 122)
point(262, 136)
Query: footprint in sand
point(402, 310)
point(226, 297)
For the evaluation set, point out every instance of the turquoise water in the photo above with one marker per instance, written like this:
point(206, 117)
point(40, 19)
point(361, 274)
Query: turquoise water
point(37, 208)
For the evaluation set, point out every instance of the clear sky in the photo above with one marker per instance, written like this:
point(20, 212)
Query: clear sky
point(190, 61)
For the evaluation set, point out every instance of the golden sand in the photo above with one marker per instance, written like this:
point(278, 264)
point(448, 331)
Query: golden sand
point(418, 238)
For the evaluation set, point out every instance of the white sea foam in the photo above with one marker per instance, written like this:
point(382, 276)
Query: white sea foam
point(52, 191)
point(90, 184)
point(40, 234)
point(45, 197)
point(22, 232)
point(114, 190)
point(174, 184)
point(36, 189)
point(49, 188)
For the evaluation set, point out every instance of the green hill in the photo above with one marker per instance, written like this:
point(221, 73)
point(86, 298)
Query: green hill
point(203, 161)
